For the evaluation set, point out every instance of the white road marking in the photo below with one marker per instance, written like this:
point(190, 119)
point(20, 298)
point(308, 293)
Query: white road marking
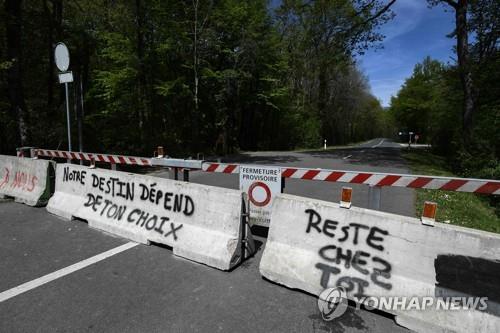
point(63, 272)
point(346, 157)
point(378, 144)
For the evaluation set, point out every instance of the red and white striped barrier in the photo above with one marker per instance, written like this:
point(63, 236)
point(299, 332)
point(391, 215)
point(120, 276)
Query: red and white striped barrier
point(219, 167)
point(483, 186)
point(113, 159)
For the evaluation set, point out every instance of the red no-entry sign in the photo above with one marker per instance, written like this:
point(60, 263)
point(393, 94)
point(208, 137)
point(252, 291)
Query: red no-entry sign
point(252, 196)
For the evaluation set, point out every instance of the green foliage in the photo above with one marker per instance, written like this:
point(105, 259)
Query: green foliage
point(321, 39)
point(431, 101)
point(186, 74)
point(463, 209)
point(416, 105)
point(5, 65)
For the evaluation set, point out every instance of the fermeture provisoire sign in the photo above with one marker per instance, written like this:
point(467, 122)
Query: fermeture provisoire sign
point(201, 223)
point(262, 184)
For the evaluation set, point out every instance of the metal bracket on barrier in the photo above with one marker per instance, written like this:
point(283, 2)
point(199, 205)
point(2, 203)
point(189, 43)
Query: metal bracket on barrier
point(25, 152)
point(247, 243)
point(176, 163)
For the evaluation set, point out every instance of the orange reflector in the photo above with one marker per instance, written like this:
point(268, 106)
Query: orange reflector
point(430, 210)
point(345, 201)
point(159, 152)
point(429, 213)
point(346, 194)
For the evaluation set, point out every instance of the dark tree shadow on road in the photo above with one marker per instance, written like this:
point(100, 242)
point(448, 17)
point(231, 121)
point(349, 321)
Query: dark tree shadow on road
point(245, 158)
point(379, 157)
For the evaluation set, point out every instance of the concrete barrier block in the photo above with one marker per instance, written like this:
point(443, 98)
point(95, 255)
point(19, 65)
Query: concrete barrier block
point(27, 180)
point(313, 245)
point(201, 223)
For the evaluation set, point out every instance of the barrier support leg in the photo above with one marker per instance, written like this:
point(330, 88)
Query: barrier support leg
point(247, 243)
point(185, 175)
point(282, 184)
point(374, 193)
point(176, 174)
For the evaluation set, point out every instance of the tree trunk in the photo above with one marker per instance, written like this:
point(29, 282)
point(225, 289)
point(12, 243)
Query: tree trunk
point(195, 54)
point(50, 49)
point(54, 22)
point(195, 119)
point(142, 109)
point(78, 104)
point(322, 104)
point(13, 11)
point(464, 67)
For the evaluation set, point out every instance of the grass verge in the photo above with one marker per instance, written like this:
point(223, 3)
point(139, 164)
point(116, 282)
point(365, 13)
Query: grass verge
point(458, 208)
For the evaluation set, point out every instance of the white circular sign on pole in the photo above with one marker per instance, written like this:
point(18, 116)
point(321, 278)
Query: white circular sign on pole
point(61, 56)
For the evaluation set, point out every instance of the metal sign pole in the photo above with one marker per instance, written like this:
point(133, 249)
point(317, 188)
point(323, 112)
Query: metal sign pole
point(67, 117)
point(374, 193)
point(61, 57)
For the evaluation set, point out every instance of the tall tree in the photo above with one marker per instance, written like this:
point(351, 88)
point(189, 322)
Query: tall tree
point(13, 12)
point(141, 68)
point(323, 36)
point(187, 73)
point(52, 10)
point(415, 108)
point(464, 65)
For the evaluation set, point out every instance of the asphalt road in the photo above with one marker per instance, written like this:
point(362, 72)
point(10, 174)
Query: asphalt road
point(377, 155)
point(147, 289)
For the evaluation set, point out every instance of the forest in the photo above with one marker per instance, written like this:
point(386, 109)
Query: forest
point(214, 76)
point(456, 107)
point(221, 76)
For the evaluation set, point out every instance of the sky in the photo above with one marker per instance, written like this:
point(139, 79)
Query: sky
point(415, 32)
